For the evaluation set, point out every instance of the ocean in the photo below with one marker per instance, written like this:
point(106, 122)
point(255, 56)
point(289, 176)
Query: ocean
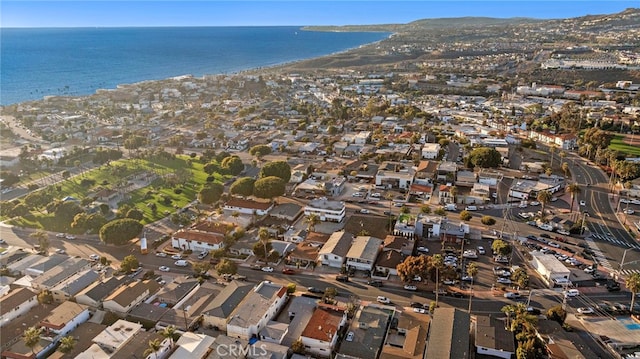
point(39, 62)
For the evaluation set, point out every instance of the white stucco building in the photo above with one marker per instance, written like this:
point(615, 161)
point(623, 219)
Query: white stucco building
point(332, 211)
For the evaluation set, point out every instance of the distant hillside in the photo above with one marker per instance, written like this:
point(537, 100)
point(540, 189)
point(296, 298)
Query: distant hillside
point(629, 16)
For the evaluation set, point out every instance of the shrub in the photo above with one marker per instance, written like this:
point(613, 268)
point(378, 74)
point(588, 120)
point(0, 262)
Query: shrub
point(177, 190)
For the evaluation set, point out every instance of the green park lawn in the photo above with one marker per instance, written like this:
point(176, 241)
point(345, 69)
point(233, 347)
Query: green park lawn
point(618, 144)
point(121, 172)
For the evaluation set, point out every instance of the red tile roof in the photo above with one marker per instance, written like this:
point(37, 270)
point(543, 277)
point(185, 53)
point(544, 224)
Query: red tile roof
point(199, 236)
point(323, 324)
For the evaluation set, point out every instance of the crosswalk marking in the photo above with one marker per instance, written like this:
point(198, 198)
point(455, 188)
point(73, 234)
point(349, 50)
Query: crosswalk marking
point(602, 237)
point(599, 256)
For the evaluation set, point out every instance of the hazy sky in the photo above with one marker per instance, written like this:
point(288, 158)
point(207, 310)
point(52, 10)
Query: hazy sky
point(270, 13)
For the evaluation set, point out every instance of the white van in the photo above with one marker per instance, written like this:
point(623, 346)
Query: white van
point(471, 208)
point(181, 263)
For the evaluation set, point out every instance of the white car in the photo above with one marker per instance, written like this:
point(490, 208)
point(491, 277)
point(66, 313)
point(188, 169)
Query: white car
point(164, 269)
point(522, 205)
point(449, 282)
point(266, 269)
point(502, 280)
point(571, 293)
point(349, 337)
point(563, 232)
point(635, 201)
point(423, 249)
point(624, 200)
point(629, 211)
point(583, 203)
point(420, 310)
point(512, 295)
point(60, 235)
point(383, 300)
point(70, 237)
point(481, 250)
point(60, 251)
point(471, 208)
point(176, 257)
point(2, 241)
point(535, 203)
point(161, 254)
point(94, 257)
point(410, 287)
point(364, 211)
point(181, 263)
point(586, 310)
point(553, 244)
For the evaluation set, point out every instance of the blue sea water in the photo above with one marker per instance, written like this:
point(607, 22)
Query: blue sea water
point(77, 61)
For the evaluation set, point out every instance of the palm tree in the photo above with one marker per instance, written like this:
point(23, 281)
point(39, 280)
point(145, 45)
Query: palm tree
point(263, 237)
point(453, 192)
point(633, 284)
point(170, 333)
point(154, 346)
point(437, 263)
point(544, 197)
point(31, 338)
point(311, 220)
point(565, 169)
point(472, 271)
point(521, 317)
point(67, 344)
point(573, 189)
point(552, 149)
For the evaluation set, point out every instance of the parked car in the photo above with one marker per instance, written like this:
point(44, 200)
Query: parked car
point(629, 211)
point(449, 282)
point(420, 310)
point(586, 310)
point(176, 257)
point(410, 287)
point(571, 293)
point(375, 283)
point(512, 295)
point(315, 290)
point(181, 263)
point(534, 311)
point(416, 305)
point(164, 269)
point(349, 337)
point(383, 300)
point(481, 250)
point(59, 251)
point(94, 257)
point(288, 271)
point(583, 203)
point(161, 254)
point(364, 211)
point(60, 235)
point(471, 208)
point(203, 254)
point(503, 280)
point(342, 278)
point(70, 237)
point(423, 249)
point(267, 269)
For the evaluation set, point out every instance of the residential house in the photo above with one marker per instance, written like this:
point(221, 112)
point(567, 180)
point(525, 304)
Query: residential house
point(248, 206)
point(82, 342)
point(331, 187)
point(387, 262)
point(430, 151)
point(11, 332)
point(426, 172)
point(303, 254)
point(221, 308)
point(449, 334)
point(363, 253)
point(256, 310)
point(138, 345)
point(73, 285)
point(421, 191)
point(447, 172)
point(64, 318)
point(64, 270)
point(369, 327)
point(186, 315)
point(286, 211)
point(95, 294)
point(408, 339)
point(321, 334)
point(197, 240)
point(444, 194)
point(332, 211)
point(193, 346)
point(493, 339)
point(126, 297)
point(274, 332)
point(174, 292)
point(262, 349)
point(567, 141)
point(480, 193)
point(111, 339)
point(395, 175)
point(18, 302)
point(333, 253)
point(225, 347)
point(466, 179)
